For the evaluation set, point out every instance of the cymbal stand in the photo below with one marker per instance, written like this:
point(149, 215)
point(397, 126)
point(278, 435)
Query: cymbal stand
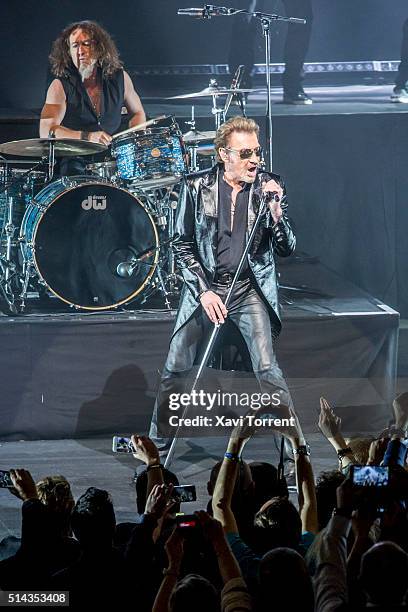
point(166, 269)
point(217, 112)
point(51, 159)
point(192, 148)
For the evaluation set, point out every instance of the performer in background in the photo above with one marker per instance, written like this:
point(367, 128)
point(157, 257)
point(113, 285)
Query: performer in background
point(246, 30)
point(400, 92)
point(86, 98)
point(215, 214)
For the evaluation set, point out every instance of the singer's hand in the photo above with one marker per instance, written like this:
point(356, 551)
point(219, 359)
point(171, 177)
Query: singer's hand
point(214, 307)
point(274, 205)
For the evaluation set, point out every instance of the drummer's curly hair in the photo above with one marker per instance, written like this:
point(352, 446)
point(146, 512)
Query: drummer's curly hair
point(234, 124)
point(107, 54)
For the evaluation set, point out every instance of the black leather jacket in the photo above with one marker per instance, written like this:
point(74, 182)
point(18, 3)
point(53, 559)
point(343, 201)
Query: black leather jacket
point(196, 244)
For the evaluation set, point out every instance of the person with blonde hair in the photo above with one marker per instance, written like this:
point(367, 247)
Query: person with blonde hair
point(216, 211)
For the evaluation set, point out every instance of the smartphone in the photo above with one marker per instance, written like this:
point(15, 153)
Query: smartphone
point(186, 522)
point(5, 480)
point(121, 444)
point(369, 476)
point(185, 493)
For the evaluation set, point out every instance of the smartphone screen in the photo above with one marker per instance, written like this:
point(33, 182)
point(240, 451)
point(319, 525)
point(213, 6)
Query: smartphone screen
point(185, 493)
point(186, 521)
point(370, 476)
point(5, 480)
point(121, 444)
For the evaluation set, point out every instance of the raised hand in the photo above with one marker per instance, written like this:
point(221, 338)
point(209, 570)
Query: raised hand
point(145, 450)
point(400, 407)
point(329, 423)
point(24, 485)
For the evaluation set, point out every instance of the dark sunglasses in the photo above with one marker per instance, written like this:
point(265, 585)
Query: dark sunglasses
point(246, 153)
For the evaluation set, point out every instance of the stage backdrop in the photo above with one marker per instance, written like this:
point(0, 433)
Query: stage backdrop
point(150, 32)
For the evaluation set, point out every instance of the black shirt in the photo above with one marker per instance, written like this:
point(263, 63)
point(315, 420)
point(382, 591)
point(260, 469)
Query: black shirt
point(231, 243)
point(81, 115)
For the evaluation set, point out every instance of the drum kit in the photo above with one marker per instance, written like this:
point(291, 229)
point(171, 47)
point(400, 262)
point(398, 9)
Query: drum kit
point(104, 238)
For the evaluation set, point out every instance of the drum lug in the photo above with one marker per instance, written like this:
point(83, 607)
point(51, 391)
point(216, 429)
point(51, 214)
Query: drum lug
point(67, 182)
point(40, 207)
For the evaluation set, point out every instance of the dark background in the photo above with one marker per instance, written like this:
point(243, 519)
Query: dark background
point(150, 32)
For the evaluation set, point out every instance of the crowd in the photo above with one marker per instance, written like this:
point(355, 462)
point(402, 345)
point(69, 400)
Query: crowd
point(342, 546)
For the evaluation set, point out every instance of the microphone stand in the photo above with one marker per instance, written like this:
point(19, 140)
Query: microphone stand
point(217, 326)
point(210, 10)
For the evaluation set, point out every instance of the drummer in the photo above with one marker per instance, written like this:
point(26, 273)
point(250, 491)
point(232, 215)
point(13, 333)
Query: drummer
point(86, 98)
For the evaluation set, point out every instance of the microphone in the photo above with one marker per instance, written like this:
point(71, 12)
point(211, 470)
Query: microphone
point(272, 196)
point(125, 269)
point(192, 12)
point(206, 12)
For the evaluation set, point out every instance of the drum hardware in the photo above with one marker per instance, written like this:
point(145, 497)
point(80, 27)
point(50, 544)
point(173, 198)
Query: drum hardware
point(45, 249)
point(191, 143)
point(214, 91)
point(28, 273)
point(9, 280)
point(202, 143)
point(142, 126)
point(150, 186)
point(106, 170)
point(11, 177)
point(197, 143)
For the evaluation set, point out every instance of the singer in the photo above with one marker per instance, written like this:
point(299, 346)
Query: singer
point(86, 98)
point(216, 211)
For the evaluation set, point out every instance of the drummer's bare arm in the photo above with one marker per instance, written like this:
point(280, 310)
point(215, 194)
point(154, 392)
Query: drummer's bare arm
point(53, 113)
point(132, 102)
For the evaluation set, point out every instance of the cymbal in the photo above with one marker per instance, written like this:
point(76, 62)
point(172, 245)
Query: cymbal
point(195, 136)
point(210, 91)
point(39, 147)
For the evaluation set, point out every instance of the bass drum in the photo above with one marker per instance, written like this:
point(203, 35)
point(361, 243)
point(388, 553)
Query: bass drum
point(77, 232)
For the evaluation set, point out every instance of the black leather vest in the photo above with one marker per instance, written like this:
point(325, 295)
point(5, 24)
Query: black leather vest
point(80, 114)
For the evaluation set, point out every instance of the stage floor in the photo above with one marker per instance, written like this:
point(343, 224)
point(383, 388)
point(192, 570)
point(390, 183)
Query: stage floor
point(333, 100)
point(76, 375)
point(327, 100)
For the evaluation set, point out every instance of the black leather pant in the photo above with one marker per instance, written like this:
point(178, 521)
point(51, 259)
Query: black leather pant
point(250, 314)
point(245, 35)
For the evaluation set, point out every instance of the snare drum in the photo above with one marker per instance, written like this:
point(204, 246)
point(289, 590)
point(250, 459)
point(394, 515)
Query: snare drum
point(105, 170)
point(80, 236)
point(154, 153)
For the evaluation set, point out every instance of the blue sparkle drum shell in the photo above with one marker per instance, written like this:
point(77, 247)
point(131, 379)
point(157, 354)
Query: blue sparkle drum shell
point(77, 231)
point(149, 154)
